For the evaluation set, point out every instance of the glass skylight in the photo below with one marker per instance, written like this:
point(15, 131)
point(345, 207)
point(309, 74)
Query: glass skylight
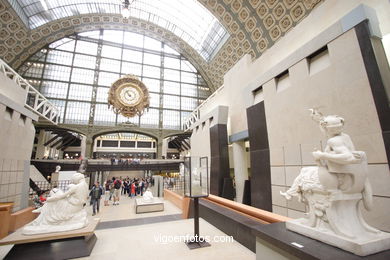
point(187, 19)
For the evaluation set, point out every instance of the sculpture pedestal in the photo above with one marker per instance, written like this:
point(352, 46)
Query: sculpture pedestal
point(142, 206)
point(55, 249)
point(59, 245)
point(362, 246)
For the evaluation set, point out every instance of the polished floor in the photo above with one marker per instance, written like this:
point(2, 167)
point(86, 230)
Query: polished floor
point(122, 234)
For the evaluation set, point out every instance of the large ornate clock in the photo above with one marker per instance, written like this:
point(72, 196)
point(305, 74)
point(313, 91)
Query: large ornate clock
point(128, 96)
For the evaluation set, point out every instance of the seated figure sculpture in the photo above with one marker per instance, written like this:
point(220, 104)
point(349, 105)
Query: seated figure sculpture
point(333, 190)
point(148, 196)
point(63, 211)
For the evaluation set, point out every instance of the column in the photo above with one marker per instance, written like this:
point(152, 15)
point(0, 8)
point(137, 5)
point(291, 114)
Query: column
point(88, 147)
point(40, 146)
point(83, 146)
point(164, 148)
point(159, 148)
point(240, 168)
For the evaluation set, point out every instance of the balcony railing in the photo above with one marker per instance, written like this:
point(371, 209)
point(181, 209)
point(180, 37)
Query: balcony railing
point(34, 100)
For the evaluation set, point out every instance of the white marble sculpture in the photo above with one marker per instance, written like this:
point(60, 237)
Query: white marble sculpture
point(63, 211)
point(148, 196)
point(333, 190)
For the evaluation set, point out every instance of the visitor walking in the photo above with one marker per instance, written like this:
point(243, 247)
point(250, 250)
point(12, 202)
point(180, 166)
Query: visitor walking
point(96, 194)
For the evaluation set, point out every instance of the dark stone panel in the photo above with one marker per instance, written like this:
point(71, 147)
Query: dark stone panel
point(219, 165)
point(228, 189)
point(246, 199)
point(257, 127)
point(277, 235)
point(386, 139)
point(261, 196)
point(55, 249)
point(230, 222)
point(375, 79)
point(260, 158)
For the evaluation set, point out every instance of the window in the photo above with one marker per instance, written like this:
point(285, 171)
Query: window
point(54, 89)
point(171, 119)
point(171, 102)
point(56, 72)
point(152, 59)
point(68, 70)
point(151, 72)
point(107, 78)
point(82, 75)
point(152, 44)
point(188, 103)
point(103, 115)
point(60, 57)
point(111, 52)
point(172, 87)
point(131, 68)
point(154, 100)
point(86, 47)
point(102, 94)
point(84, 61)
point(77, 113)
point(173, 63)
point(110, 65)
point(150, 118)
point(172, 74)
point(80, 92)
point(130, 55)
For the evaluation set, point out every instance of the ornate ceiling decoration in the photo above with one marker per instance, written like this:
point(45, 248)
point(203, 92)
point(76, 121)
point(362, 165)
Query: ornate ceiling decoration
point(254, 26)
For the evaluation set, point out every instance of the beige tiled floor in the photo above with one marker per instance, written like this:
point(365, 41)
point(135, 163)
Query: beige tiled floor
point(126, 210)
point(141, 241)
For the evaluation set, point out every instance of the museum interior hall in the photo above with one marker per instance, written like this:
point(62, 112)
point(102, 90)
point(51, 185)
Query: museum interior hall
point(194, 129)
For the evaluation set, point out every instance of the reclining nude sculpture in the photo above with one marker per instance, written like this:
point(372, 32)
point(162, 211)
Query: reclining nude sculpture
point(63, 211)
point(333, 190)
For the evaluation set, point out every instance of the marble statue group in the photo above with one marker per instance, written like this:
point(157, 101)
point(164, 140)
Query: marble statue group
point(63, 211)
point(333, 190)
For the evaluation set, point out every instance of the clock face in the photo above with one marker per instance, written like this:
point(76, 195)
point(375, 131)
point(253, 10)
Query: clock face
point(129, 95)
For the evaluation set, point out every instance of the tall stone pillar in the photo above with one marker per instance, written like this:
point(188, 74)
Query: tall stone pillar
point(40, 146)
point(164, 147)
point(88, 147)
point(240, 168)
point(83, 146)
point(159, 148)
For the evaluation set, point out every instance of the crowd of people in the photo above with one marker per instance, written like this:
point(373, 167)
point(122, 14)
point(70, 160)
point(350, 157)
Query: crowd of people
point(114, 188)
point(125, 161)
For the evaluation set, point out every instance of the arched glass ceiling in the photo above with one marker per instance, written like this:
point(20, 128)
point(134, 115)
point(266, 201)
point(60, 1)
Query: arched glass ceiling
point(187, 19)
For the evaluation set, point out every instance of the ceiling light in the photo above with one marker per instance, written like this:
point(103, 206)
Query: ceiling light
point(125, 9)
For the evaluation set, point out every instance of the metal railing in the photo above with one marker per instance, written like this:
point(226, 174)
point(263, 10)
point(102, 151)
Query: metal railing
point(47, 186)
point(34, 100)
point(174, 184)
point(195, 115)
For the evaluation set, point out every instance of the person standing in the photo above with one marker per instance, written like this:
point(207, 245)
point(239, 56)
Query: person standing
point(117, 191)
point(107, 187)
point(132, 189)
point(96, 194)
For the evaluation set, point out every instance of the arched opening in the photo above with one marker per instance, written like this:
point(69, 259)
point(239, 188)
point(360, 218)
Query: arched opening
point(124, 147)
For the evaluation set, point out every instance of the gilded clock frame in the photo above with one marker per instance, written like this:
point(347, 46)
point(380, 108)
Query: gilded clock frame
point(121, 107)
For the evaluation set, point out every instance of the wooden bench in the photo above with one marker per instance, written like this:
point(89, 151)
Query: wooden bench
point(5, 218)
point(179, 201)
point(21, 218)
